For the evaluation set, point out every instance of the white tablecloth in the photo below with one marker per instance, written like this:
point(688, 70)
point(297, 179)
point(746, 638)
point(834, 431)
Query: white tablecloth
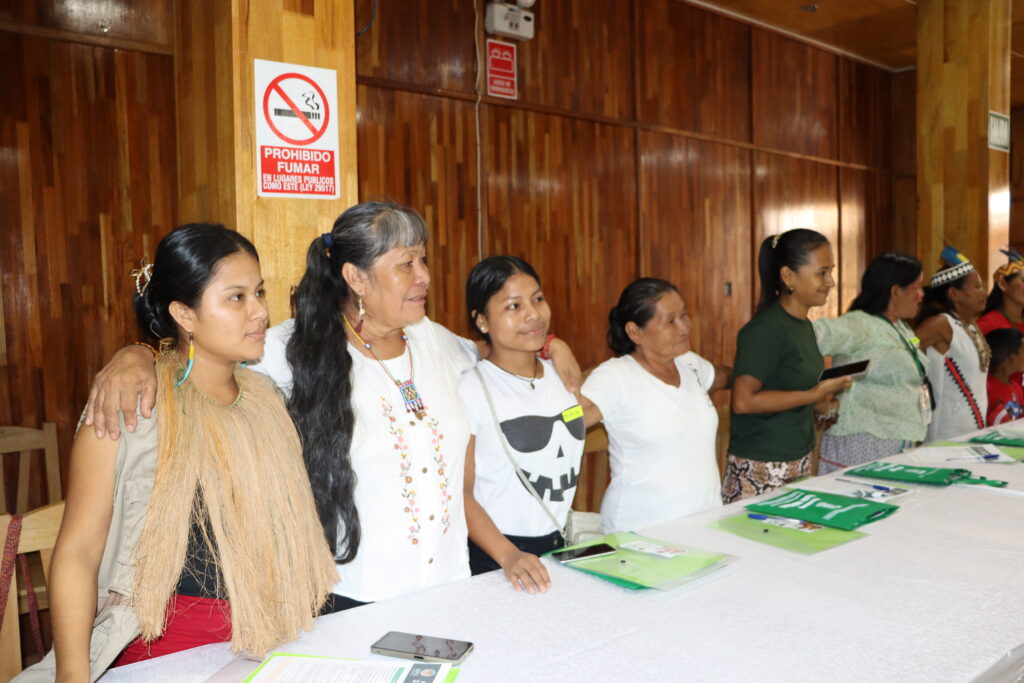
point(935, 592)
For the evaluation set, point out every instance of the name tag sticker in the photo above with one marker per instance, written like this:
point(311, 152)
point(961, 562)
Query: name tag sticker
point(574, 413)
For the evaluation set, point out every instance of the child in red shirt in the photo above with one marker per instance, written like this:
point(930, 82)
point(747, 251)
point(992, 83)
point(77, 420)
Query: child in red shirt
point(1005, 395)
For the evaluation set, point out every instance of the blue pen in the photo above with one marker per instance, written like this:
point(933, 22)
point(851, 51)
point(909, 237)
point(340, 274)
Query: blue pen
point(990, 456)
point(877, 487)
point(756, 516)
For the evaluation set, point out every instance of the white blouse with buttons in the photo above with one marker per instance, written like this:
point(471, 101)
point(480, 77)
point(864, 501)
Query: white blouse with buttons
point(409, 471)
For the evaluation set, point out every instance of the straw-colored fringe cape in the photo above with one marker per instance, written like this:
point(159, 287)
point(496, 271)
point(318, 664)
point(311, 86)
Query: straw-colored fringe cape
point(246, 460)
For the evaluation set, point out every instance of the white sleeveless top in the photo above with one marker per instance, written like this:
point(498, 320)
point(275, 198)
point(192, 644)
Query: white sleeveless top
point(959, 385)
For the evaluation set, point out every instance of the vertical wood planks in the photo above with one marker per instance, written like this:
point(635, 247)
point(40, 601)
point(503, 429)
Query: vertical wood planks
point(864, 218)
point(426, 43)
point(695, 197)
point(581, 58)
point(794, 96)
point(793, 193)
point(87, 187)
point(695, 70)
point(864, 114)
point(561, 193)
point(401, 132)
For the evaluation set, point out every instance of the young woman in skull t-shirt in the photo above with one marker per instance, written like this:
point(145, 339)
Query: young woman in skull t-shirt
point(541, 428)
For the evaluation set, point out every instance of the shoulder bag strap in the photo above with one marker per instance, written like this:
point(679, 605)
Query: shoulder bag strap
point(519, 472)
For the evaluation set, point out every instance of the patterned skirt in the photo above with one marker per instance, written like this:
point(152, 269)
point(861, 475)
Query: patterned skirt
point(745, 478)
point(838, 452)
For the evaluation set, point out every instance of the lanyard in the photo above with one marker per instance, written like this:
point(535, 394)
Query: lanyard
point(913, 351)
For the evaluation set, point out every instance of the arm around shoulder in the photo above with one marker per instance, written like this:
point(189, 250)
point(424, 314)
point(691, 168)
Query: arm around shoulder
point(118, 387)
point(935, 332)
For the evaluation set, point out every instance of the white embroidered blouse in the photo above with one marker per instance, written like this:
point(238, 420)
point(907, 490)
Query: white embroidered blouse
point(409, 472)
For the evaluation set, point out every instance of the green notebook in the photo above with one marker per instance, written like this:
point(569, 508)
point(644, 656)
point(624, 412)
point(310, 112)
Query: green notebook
point(828, 509)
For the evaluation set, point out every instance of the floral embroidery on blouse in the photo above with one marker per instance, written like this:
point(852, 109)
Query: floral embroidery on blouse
point(442, 470)
point(404, 471)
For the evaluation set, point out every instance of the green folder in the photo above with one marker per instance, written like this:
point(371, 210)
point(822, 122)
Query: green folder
point(637, 570)
point(1013, 446)
point(806, 540)
point(915, 474)
point(828, 509)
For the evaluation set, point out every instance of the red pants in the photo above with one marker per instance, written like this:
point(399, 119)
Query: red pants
point(191, 622)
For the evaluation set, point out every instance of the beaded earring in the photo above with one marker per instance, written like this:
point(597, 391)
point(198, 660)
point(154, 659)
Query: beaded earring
point(191, 359)
point(362, 314)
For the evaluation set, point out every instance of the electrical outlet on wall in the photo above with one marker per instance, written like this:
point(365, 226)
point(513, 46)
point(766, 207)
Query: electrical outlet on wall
point(509, 20)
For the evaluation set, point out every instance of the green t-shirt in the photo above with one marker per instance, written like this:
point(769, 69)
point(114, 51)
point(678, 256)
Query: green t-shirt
point(782, 352)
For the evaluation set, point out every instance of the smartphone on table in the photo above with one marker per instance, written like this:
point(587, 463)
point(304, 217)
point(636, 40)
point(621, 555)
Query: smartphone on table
point(422, 648)
point(595, 550)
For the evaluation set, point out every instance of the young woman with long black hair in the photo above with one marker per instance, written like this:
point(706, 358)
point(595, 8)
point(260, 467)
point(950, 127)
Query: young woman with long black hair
point(889, 408)
point(200, 525)
point(775, 386)
point(526, 429)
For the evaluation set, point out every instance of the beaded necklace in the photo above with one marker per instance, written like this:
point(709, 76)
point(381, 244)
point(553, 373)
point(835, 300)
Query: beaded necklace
point(410, 394)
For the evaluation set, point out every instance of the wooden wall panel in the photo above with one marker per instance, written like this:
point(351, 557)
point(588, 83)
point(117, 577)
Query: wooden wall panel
point(902, 229)
point(794, 193)
point(864, 110)
point(561, 193)
point(87, 187)
point(794, 96)
point(141, 21)
point(1017, 178)
point(864, 218)
point(421, 151)
point(695, 201)
point(581, 58)
point(429, 44)
point(695, 70)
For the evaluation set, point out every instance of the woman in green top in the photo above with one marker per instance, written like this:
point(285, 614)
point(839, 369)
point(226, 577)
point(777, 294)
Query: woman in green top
point(889, 408)
point(777, 366)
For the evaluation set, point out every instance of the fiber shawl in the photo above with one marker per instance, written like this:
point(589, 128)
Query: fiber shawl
point(246, 462)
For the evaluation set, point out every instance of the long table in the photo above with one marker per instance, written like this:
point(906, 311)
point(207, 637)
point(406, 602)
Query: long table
point(935, 592)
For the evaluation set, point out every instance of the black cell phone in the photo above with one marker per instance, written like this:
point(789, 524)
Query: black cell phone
point(580, 553)
point(854, 369)
point(422, 648)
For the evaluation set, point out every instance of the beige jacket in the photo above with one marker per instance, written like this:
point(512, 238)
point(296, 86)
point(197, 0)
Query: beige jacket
point(116, 626)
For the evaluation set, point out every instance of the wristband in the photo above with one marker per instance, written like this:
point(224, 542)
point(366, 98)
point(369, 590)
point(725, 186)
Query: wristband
point(545, 351)
point(151, 349)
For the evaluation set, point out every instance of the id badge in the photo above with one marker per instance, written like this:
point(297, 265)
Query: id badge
point(926, 403)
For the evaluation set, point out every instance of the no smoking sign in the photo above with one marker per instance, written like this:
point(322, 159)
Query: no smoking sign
point(296, 136)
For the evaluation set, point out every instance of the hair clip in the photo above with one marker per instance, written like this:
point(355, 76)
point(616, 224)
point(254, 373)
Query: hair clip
point(775, 239)
point(145, 270)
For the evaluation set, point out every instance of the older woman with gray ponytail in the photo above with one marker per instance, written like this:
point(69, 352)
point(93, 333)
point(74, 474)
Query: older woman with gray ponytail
point(777, 367)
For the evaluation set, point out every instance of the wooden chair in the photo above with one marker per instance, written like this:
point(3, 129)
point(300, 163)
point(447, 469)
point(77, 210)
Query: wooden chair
point(38, 534)
point(594, 472)
point(23, 441)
